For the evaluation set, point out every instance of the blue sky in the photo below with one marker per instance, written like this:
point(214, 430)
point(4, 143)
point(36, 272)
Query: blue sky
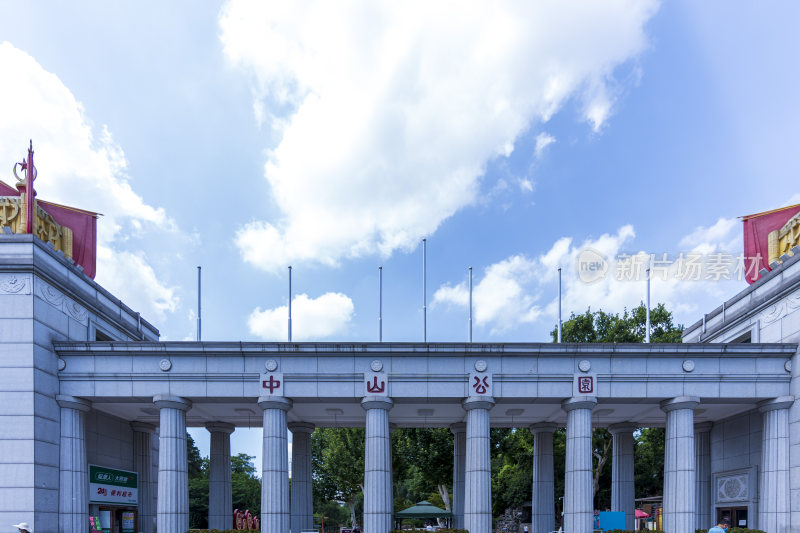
point(245, 137)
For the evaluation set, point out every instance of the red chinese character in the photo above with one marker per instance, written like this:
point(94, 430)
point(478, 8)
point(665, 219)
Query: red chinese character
point(481, 385)
point(585, 384)
point(272, 384)
point(374, 387)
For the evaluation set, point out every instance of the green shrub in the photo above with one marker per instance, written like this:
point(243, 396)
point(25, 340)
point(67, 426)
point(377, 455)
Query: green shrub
point(443, 530)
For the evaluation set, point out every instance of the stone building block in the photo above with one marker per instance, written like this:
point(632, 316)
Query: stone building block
point(225, 365)
point(771, 332)
point(232, 389)
point(77, 331)
point(733, 366)
point(338, 365)
point(51, 316)
point(518, 389)
point(16, 427)
point(519, 366)
point(45, 406)
point(46, 429)
point(191, 365)
point(555, 365)
point(16, 379)
point(442, 365)
point(635, 366)
point(16, 499)
point(404, 365)
point(16, 306)
point(121, 363)
point(736, 390)
point(621, 389)
point(342, 389)
point(188, 388)
point(113, 388)
point(16, 330)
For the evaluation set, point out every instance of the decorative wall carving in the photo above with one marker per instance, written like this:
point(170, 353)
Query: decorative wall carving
point(733, 488)
point(15, 284)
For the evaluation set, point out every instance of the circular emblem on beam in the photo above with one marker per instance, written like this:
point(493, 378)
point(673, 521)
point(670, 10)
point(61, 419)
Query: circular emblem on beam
point(376, 365)
point(480, 365)
point(165, 365)
point(688, 365)
point(61, 364)
point(271, 365)
point(585, 365)
point(788, 365)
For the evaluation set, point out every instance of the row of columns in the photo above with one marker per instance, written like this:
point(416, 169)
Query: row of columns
point(687, 469)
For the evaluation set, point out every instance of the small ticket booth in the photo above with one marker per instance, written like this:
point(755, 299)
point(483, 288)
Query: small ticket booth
point(113, 500)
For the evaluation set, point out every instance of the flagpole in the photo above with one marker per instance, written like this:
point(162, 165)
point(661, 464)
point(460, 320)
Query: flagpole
point(470, 304)
point(199, 307)
point(380, 304)
point(559, 304)
point(424, 298)
point(290, 304)
point(647, 320)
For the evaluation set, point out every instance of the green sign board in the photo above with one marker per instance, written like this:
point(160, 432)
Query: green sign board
point(107, 485)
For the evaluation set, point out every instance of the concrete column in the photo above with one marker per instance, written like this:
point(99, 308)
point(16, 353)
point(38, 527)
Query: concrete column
point(774, 503)
point(302, 501)
point(679, 464)
point(275, 465)
point(623, 492)
point(578, 482)
point(378, 505)
point(794, 442)
point(220, 488)
point(543, 515)
point(73, 493)
point(142, 464)
point(478, 468)
point(173, 469)
point(702, 454)
point(459, 465)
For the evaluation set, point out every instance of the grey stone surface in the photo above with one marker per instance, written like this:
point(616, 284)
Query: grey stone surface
point(74, 470)
point(220, 495)
point(142, 465)
point(173, 477)
point(774, 499)
point(623, 491)
point(378, 505)
point(702, 447)
point(578, 482)
point(459, 471)
point(543, 511)
point(275, 466)
point(478, 470)
point(301, 501)
point(679, 464)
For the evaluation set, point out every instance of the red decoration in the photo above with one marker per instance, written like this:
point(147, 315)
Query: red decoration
point(757, 227)
point(374, 387)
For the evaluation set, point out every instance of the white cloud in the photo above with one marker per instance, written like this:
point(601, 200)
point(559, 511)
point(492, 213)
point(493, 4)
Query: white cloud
point(386, 114)
point(521, 291)
point(725, 235)
point(543, 140)
point(312, 318)
point(76, 168)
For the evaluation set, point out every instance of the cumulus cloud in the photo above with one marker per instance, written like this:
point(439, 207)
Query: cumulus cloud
point(521, 291)
point(543, 140)
point(312, 318)
point(384, 115)
point(77, 167)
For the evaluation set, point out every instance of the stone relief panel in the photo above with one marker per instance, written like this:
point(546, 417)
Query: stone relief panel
point(15, 284)
point(733, 487)
point(56, 298)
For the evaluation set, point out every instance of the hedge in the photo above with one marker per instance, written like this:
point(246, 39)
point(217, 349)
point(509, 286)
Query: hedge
point(443, 530)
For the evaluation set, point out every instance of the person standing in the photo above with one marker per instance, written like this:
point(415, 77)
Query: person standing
point(720, 527)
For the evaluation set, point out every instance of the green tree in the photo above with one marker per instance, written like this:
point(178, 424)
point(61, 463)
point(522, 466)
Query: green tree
point(337, 458)
point(245, 485)
point(198, 486)
point(423, 461)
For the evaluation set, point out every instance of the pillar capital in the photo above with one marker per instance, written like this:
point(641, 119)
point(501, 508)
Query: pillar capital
point(622, 427)
point(301, 427)
point(168, 401)
point(458, 427)
point(579, 403)
point(703, 427)
point(274, 402)
point(544, 427)
point(478, 402)
point(220, 427)
point(71, 402)
point(143, 427)
point(377, 402)
point(781, 402)
point(680, 402)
